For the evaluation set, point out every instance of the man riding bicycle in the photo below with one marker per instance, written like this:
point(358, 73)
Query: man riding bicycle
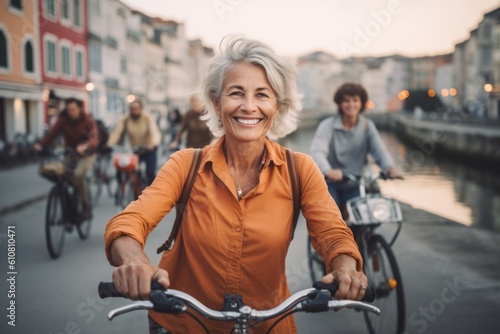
point(342, 143)
point(80, 135)
point(141, 130)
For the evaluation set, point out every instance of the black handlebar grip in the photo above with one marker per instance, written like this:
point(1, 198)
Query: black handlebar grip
point(368, 297)
point(108, 289)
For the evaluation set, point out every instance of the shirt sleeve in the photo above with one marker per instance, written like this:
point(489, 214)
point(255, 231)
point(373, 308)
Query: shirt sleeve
point(320, 145)
point(329, 233)
point(377, 148)
point(115, 136)
point(93, 138)
point(154, 131)
point(53, 132)
point(140, 217)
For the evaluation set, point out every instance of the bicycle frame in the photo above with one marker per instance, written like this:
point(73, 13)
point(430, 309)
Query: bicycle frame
point(317, 299)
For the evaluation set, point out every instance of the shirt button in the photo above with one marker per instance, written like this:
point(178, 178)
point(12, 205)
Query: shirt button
point(233, 264)
point(238, 229)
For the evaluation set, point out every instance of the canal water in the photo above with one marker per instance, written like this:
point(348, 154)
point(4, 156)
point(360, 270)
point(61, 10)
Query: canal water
point(466, 194)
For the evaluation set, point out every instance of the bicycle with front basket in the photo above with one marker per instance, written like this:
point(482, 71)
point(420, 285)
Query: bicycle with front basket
point(63, 211)
point(367, 213)
point(131, 179)
point(316, 299)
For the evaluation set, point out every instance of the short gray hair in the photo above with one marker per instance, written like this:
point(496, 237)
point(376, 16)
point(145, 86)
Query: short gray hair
point(280, 73)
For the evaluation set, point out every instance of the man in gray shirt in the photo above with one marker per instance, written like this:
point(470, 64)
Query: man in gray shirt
point(342, 143)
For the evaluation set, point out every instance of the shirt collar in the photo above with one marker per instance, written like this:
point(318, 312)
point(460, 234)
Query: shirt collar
point(215, 155)
point(338, 125)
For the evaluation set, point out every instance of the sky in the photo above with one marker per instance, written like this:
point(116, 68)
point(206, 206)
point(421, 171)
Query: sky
point(340, 27)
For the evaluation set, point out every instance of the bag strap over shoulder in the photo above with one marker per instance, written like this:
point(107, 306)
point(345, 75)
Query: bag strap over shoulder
point(296, 187)
point(181, 204)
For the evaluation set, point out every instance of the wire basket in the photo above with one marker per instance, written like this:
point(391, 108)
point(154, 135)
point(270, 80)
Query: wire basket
point(374, 209)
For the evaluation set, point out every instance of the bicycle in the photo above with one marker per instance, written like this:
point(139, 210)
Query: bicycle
point(131, 179)
point(367, 212)
point(63, 210)
point(102, 175)
point(312, 300)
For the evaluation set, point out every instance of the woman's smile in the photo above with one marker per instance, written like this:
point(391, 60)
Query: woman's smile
point(248, 121)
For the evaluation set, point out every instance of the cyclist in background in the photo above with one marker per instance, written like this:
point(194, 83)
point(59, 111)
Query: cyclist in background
point(80, 134)
point(198, 134)
point(140, 129)
point(342, 143)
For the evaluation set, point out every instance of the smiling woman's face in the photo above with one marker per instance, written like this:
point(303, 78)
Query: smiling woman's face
point(248, 105)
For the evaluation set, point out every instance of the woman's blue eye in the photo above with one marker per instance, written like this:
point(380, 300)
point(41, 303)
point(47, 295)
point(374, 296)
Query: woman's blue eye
point(236, 93)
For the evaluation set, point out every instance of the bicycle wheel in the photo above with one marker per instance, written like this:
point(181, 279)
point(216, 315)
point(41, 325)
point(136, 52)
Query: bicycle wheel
point(55, 223)
point(108, 175)
point(96, 182)
point(383, 274)
point(93, 188)
point(82, 226)
point(316, 265)
point(126, 193)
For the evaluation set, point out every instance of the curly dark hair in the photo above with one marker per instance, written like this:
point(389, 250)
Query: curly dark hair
point(350, 89)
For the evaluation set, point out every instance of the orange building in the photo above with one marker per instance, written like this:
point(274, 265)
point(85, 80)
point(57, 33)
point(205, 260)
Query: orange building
point(20, 89)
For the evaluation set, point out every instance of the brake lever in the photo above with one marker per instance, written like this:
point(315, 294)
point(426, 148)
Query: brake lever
point(340, 304)
point(139, 305)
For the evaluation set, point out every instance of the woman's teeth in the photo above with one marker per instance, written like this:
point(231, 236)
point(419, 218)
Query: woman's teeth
point(247, 121)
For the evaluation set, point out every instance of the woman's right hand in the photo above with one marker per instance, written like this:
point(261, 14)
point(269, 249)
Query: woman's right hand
point(335, 175)
point(133, 279)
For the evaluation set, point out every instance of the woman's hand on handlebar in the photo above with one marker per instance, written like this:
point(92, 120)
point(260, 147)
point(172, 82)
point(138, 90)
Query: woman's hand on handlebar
point(391, 173)
point(335, 175)
point(133, 279)
point(133, 273)
point(352, 283)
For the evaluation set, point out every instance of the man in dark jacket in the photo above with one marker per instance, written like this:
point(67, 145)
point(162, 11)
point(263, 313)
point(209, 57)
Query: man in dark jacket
point(80, 135)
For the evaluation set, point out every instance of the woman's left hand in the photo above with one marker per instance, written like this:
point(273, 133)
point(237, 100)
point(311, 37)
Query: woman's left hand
point(352, 284)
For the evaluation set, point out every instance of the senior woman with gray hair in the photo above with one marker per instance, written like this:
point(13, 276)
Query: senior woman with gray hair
point(237, 224)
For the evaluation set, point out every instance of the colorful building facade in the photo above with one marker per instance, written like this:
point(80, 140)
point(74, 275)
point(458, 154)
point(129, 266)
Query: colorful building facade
point(20, 90)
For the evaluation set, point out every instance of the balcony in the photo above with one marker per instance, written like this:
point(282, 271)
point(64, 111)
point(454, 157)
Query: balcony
point(111, 42)
point(111, 83)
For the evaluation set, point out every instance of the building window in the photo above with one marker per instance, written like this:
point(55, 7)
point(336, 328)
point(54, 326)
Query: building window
point(16, 4)
point(50, 47)
point(4, 57)
point(29, 62)
point(65, 12)
point(95, 57)
point(79, 64)
point(66, 60)
point(77, 12)
point(50, 8)
point(123, 65)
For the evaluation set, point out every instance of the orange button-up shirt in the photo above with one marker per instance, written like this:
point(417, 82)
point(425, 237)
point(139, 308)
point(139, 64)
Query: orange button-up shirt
point(226, 245)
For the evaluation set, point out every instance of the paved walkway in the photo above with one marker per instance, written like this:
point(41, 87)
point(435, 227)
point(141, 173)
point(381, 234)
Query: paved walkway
point(20, 186)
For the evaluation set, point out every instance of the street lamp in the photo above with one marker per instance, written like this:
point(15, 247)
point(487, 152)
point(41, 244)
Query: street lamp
point(89, 86)
point(488, 87)
point(130, 98)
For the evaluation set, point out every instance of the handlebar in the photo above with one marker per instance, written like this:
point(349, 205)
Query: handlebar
point(138, 149)
point(381, 175)
point(316, 299)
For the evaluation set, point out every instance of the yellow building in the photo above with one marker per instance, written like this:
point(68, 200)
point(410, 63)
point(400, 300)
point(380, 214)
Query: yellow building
point(20, 89)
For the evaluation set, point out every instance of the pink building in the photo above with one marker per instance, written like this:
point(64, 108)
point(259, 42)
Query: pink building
point(64, 56)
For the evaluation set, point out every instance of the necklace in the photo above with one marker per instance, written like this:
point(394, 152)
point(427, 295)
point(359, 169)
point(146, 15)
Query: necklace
point(241, 189)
